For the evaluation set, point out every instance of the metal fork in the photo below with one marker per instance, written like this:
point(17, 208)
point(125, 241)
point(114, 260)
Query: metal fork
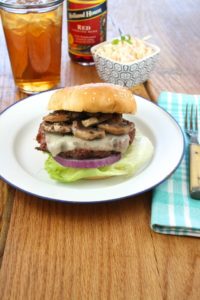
point(191, 124)
point(191, 129)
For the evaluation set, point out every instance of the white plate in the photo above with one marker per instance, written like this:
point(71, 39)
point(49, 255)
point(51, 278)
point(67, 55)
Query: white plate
point(22, 166)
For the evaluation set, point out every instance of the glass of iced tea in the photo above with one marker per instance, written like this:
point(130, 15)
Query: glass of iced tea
point(33, 30)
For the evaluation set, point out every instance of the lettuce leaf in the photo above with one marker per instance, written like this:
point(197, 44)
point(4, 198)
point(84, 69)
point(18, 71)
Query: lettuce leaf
point(136, 158)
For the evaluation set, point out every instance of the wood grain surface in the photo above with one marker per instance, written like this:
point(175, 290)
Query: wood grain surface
point(54, 250)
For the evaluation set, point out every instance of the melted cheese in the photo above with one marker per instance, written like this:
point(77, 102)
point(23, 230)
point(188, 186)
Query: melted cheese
point(62, 143)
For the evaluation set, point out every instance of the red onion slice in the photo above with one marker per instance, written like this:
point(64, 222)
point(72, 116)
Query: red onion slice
point(87, 163)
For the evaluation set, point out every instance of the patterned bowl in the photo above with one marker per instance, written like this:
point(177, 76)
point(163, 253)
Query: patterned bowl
point(125, 74)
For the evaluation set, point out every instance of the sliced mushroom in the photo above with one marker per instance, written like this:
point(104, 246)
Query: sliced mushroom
point(86, 133)
point(89, 122)
point(96, 120)
point(76, 115)
point(124, 127)
point(62, 116)
point(56, 117)
point(56, 127)
point(116, 118)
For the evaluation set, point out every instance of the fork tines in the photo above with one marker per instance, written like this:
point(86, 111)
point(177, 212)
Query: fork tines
point(191, 119)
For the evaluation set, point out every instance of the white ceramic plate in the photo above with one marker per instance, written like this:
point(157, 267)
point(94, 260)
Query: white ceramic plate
point(22, 166)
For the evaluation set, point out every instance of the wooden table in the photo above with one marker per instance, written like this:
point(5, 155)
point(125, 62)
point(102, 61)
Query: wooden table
point(52, 250)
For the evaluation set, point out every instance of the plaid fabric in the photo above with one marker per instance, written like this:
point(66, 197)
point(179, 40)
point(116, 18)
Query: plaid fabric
point(173, 210)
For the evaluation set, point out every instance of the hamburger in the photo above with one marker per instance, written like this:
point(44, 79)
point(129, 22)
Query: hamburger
point(85, 133)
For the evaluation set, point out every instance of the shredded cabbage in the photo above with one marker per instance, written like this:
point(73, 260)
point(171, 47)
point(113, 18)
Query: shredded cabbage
point(135, 159)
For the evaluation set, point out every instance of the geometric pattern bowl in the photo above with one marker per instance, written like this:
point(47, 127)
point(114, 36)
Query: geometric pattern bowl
point(125, 74)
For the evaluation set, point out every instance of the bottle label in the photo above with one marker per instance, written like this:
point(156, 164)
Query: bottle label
point(86, 25)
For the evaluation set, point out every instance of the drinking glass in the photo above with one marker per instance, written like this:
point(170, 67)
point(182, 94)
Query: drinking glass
point(33, 30)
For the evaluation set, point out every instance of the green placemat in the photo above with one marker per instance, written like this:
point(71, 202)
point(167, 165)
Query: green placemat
point(173, 210)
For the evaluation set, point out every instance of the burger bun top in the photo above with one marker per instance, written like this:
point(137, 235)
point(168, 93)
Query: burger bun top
point(93, 98)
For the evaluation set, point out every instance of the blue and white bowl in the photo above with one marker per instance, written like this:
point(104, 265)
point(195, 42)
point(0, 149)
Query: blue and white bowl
point(125, 74)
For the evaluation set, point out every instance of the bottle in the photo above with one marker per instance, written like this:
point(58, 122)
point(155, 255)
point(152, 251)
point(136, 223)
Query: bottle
point(87, 22)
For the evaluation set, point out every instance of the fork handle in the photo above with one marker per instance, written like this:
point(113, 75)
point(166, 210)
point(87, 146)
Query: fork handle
point(195, 171)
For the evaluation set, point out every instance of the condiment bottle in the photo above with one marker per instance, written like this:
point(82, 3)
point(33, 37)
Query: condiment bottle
point(87, 22)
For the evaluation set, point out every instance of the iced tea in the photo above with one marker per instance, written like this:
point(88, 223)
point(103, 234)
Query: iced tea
point(34, 46)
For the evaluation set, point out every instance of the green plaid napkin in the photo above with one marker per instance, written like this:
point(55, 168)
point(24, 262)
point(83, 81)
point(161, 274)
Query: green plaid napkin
point(173, 210)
